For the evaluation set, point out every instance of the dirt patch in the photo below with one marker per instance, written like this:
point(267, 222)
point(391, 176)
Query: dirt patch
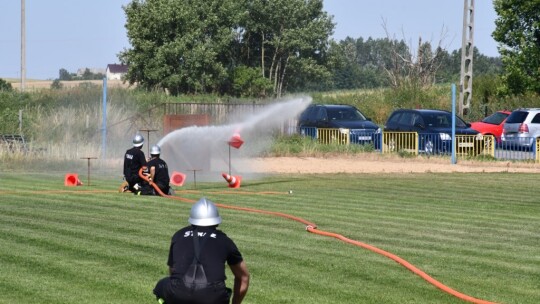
point(382, 164)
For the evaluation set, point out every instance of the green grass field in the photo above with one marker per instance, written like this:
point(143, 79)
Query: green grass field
point(476, 233)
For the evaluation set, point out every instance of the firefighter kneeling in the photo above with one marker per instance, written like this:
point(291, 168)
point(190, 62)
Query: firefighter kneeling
point(158, 174)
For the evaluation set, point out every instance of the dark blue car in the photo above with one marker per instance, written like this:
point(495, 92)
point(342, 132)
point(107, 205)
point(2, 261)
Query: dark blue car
point(361, 129)
point(434, 128)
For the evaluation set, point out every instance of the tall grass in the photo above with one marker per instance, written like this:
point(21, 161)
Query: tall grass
point(304, 146)
point(94, 245)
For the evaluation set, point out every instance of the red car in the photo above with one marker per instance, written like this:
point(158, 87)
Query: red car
point(492, 125)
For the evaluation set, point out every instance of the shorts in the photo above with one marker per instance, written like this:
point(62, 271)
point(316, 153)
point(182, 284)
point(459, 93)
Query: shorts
point(173, 291)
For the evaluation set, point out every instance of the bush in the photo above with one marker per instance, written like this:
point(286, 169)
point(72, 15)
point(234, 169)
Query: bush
point(5, 86)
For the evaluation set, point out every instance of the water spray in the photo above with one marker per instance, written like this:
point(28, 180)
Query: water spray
point(201, 148)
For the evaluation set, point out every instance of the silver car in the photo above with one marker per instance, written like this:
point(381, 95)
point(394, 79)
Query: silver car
point(521, 128)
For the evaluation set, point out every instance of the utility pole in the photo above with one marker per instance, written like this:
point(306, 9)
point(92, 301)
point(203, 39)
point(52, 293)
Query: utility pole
point(467, 50)
point(23, 46)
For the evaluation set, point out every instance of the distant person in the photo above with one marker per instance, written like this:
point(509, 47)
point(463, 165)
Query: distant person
point(158, 171)
point(134, 160)
point(197, 257)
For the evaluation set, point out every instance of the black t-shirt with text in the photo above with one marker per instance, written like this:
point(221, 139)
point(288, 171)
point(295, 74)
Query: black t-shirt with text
point(217, 250)
point(161, 176)
point(133, 161)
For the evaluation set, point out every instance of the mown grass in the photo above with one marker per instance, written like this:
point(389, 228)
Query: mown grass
point(476, 233)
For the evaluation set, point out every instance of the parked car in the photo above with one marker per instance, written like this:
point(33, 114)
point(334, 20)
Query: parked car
point(345, 117)
point(521, 128)
point(434, 128)
point(492, 124)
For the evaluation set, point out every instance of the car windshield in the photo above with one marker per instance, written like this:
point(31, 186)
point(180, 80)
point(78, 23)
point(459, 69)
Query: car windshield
point(345, 114)
point(442, 120)
point(495, 118)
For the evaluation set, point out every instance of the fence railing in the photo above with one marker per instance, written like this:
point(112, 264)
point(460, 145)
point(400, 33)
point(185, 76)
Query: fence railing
point(333, 136)
point(400, 141)
point(427, 144)
point(13, 143)
point(473, 145)
point(218, 112)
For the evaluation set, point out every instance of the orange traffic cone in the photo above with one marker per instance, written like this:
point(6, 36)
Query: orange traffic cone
point(72, 179)
point(178, 178)
point(234, 181)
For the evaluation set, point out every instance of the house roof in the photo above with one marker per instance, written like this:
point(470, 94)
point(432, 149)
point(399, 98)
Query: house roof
point(117, 68)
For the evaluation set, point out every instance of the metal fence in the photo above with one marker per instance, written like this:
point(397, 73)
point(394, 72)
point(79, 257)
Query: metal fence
point(429, 144)
point(437, 144)
point(400, 141)
point(218, 112)
point(333, 136)
point(13, 143)
point(385, 142)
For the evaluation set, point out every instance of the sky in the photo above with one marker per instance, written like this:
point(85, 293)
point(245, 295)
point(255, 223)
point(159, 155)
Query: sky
point(68, 34)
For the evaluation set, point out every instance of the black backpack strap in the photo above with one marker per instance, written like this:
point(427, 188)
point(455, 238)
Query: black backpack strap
point(197, 245)
point(195, 276)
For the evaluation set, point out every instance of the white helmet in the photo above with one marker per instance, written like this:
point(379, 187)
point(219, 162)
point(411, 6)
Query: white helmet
point(155, 150)
point(138, 140)
point(204, 213)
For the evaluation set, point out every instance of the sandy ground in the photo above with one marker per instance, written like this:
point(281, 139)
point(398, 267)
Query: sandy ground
point(382, 164)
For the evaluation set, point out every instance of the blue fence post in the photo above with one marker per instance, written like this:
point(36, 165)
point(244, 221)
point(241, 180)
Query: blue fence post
point(453, 123)
point(381, 141)
point(104, 122)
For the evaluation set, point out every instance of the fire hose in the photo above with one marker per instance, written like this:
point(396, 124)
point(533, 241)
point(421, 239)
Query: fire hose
point(311, 227)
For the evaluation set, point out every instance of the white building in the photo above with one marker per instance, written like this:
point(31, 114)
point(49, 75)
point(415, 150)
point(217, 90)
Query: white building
point(116, 71)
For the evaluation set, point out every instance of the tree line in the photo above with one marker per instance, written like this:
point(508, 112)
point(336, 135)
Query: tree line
point(265, 48)
point(371, 63)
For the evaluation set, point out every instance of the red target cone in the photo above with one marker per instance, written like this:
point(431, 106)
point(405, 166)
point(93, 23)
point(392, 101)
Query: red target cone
point(236, 141)
point(232, 180)
point(178, 178)
point(72, 179)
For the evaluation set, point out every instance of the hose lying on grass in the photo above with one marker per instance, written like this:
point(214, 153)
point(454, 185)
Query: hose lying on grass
point(311, 227)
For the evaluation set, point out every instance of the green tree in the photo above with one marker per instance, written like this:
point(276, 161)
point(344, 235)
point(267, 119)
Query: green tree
point(355, 63)
point(64, 75)
point(87, 75)
point(518, 32)
point(56, 84)
point(180, 46)
point(197, 46)
point(250, 82)
point(5, 86)
point(288, 40)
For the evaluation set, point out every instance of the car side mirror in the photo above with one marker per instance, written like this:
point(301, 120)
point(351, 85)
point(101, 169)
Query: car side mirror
point(468, 125)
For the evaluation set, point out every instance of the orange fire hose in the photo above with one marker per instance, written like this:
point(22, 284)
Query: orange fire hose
point(311, 227)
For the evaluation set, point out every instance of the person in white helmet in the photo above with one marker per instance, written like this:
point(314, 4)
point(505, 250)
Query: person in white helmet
point(134, 160)
point(197, 257)
point(158, 171)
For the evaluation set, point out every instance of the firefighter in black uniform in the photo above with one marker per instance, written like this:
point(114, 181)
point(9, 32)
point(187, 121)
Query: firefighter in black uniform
point(197, 256)
point(158, 171)
point(134, 160)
